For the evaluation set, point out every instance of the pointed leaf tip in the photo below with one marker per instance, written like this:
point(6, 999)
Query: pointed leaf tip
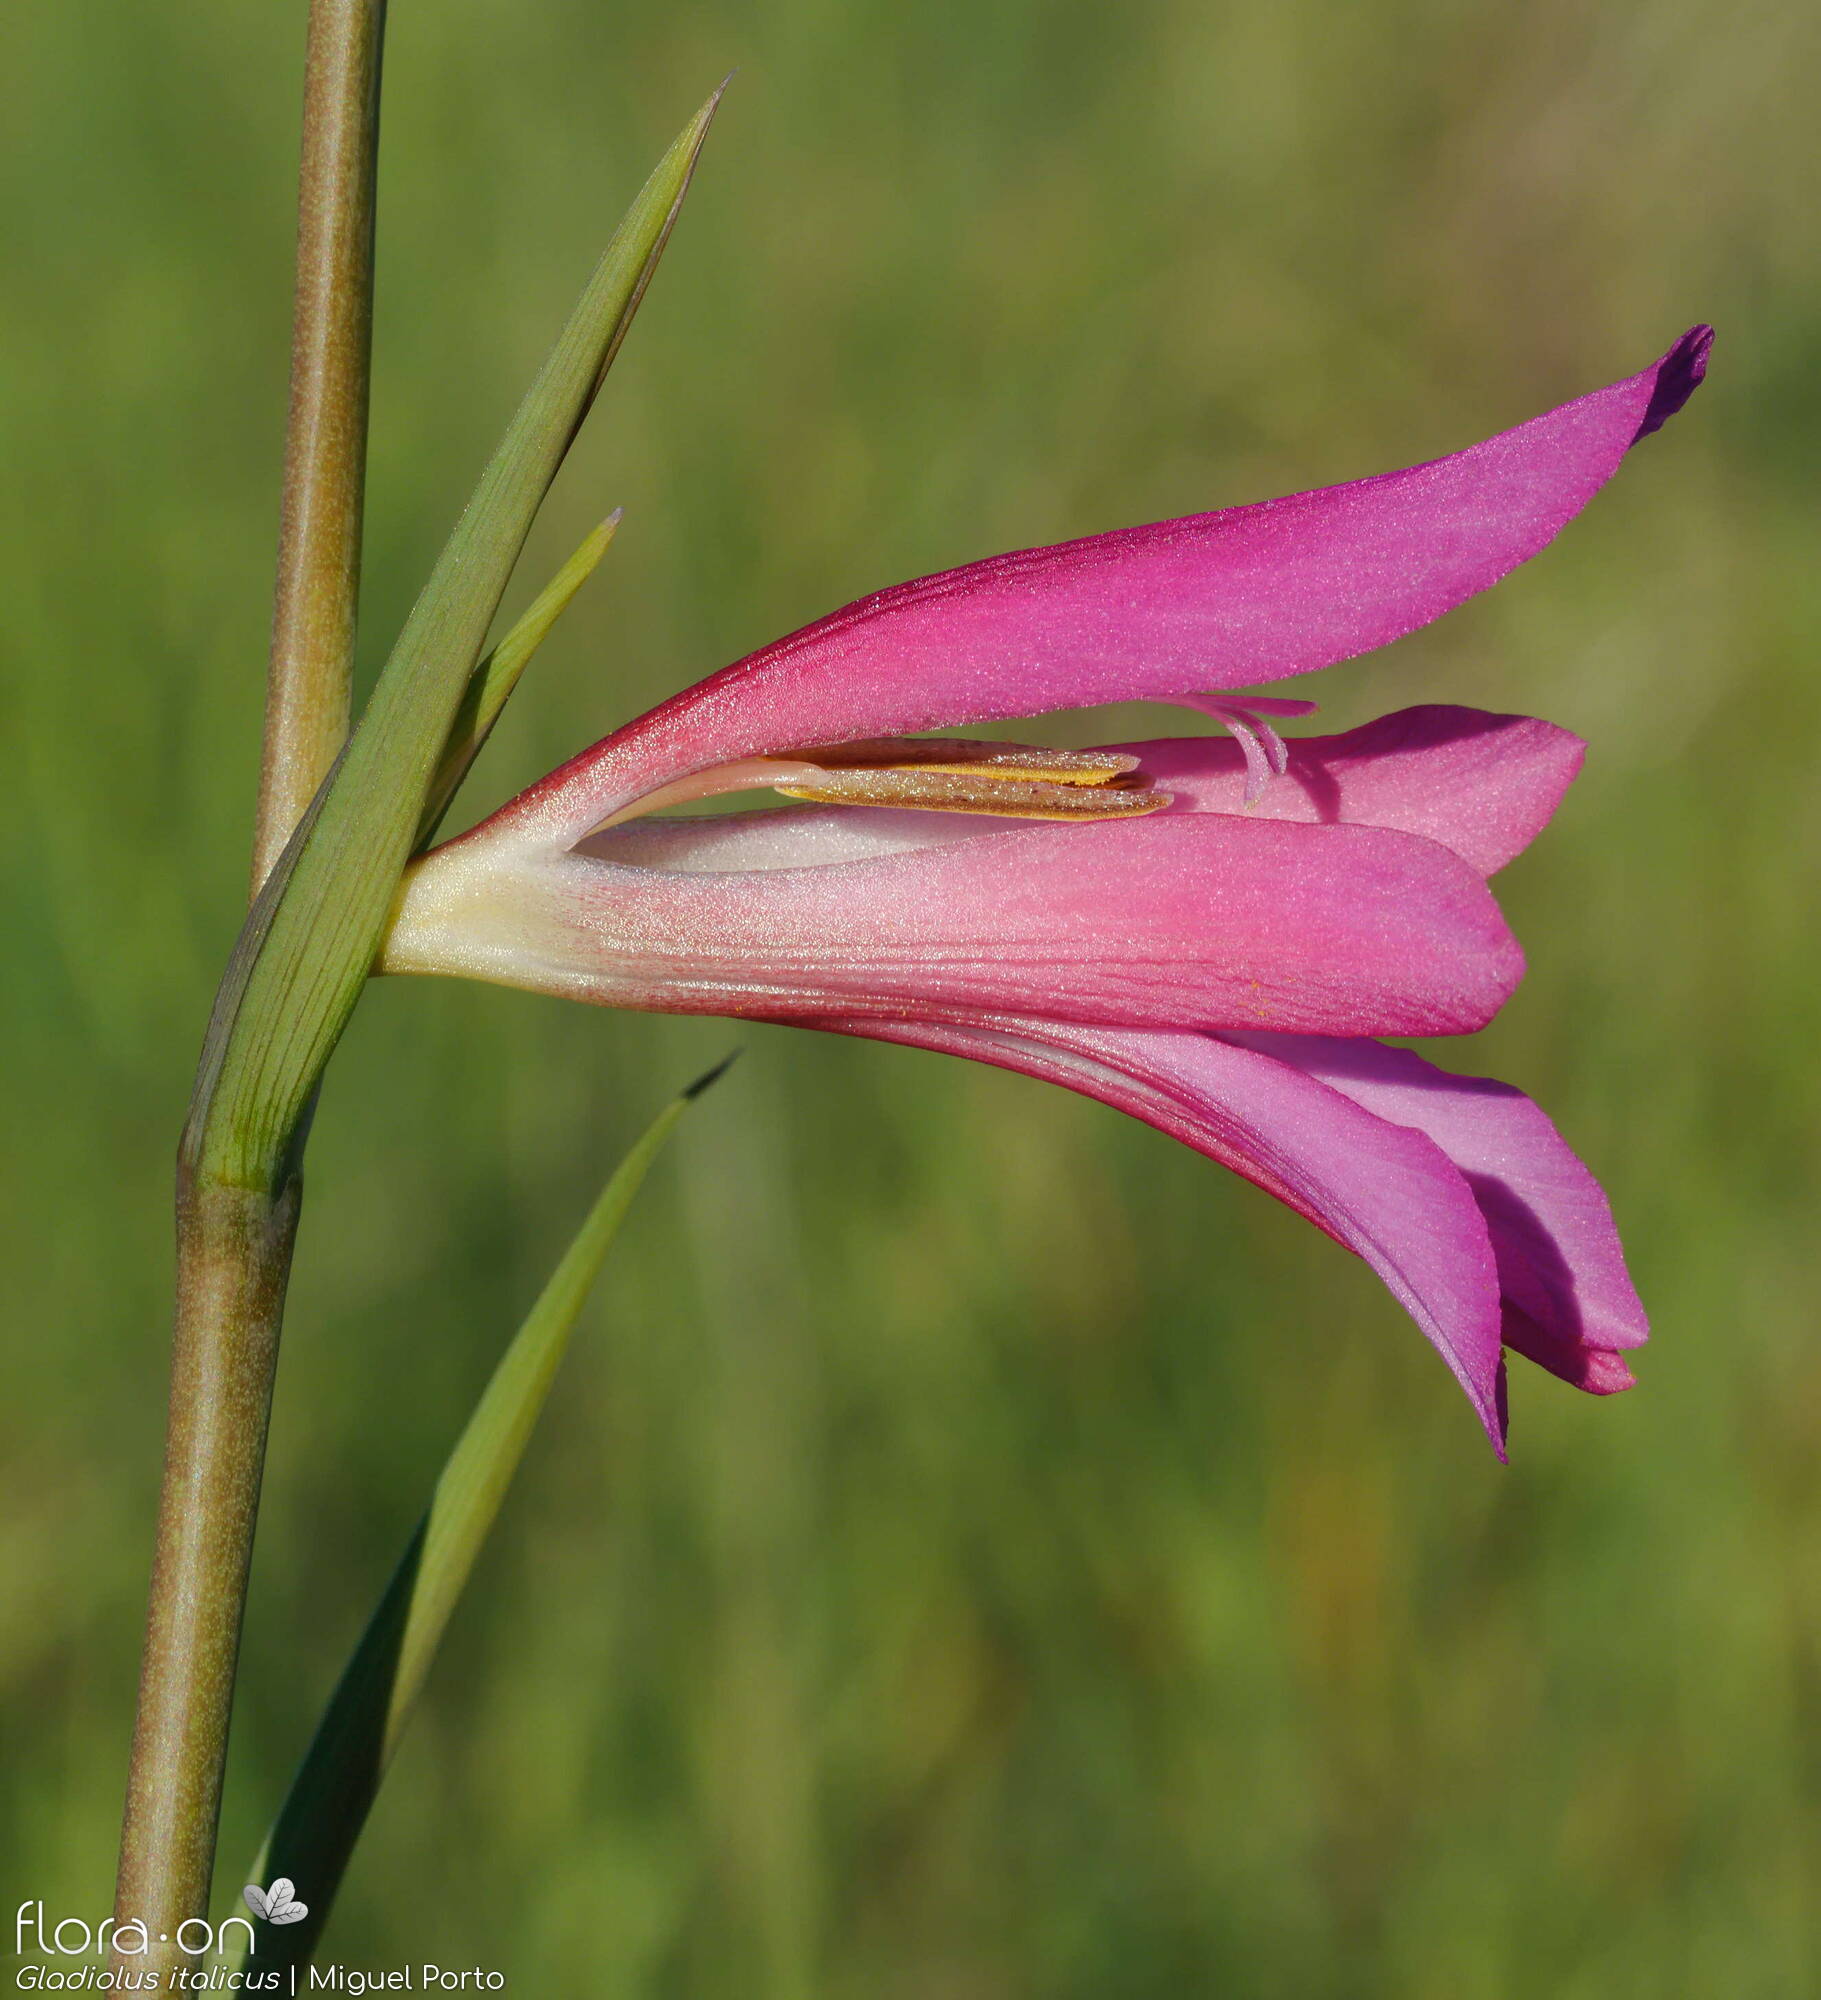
point(710, 1077)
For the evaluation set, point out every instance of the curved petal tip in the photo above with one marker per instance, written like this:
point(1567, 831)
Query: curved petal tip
point(1679, 374)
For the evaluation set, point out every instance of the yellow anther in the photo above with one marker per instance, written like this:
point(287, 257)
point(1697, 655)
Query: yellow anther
point(930, 774)
point(972, 789)
point(964, 757)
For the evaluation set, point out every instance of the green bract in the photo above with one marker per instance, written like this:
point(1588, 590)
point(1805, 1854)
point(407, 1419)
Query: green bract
point(491, 683)
point(310, 941)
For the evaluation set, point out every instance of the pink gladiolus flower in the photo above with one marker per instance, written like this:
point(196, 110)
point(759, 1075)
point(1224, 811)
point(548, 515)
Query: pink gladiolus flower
point(1208, 933)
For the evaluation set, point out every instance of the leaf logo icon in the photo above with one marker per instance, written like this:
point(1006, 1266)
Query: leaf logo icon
point(278, 1904)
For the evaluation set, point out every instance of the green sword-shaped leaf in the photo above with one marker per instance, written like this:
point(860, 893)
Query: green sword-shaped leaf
point(335, 1785)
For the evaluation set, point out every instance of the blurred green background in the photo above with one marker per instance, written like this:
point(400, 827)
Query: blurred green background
point(977, 1549)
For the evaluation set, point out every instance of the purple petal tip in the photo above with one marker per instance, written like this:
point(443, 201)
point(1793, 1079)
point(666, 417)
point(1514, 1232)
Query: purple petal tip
point(1679, 375)
point(1498, 1422)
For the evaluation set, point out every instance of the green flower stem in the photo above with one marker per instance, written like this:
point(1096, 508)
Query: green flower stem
point(233, 1260)
point(307, 688)
point(234, 1245)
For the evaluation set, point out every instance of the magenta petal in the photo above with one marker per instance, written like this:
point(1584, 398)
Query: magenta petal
point(1483, 785)
point(1569, 1300)
point(1385, 1191)
point(1201, 921)
point(1222, 600)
